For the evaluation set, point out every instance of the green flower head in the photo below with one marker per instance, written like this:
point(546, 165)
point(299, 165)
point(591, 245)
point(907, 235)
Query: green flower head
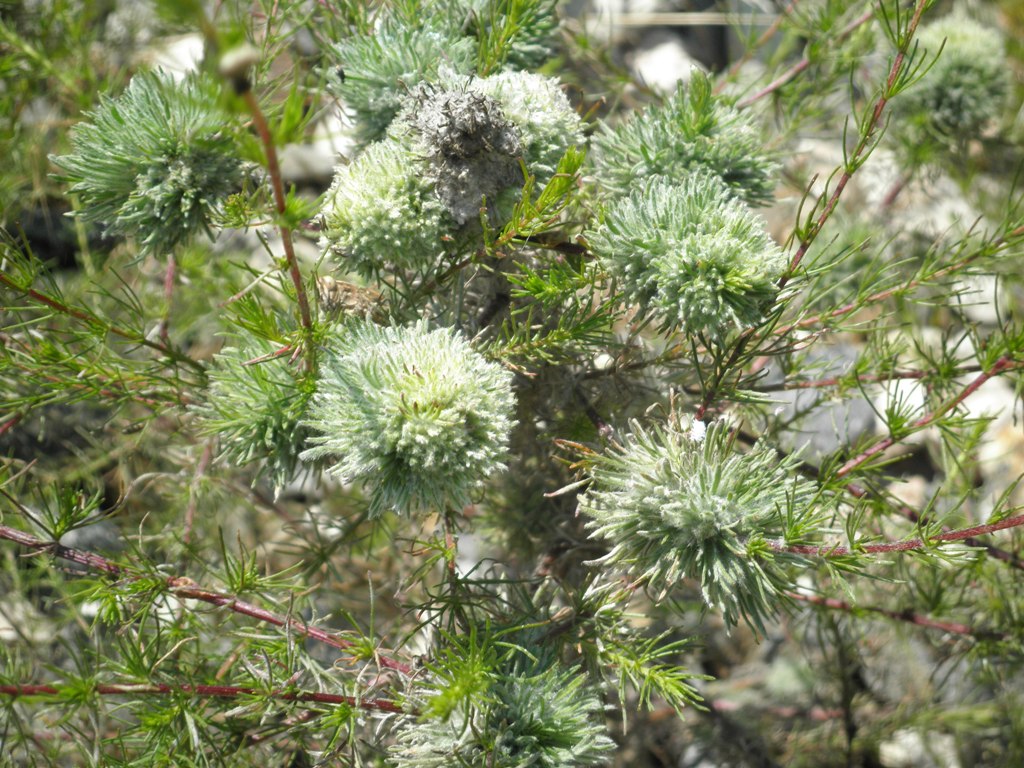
point(678, 504)
point(417, 415)
point(255, 404)
point(511, 715)
point(690, 253)
point(155, 163)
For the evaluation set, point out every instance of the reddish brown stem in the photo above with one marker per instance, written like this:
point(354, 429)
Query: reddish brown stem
point(854, 161)
point(803, 64)
point(214, 691)
point(1002, 364)
point(909, 545)
point(280, 202)
point(169, 276)
point(953, 628)
point(859, 153)
point(183, 587)
point(765, 36)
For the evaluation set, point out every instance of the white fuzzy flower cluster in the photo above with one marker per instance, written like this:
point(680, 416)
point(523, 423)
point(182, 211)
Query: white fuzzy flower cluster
point(417, 415)
point(381, 208)
point(413, 195)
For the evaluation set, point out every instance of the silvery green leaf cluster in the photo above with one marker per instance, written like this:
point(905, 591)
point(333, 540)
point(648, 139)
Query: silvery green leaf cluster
point(155, 163)
point(677, 504)
point(964, 85)
point(409, 46)
point(693, 130)
point(548, 717)
point(255, 404)
point(414, 414)
point(690, 254)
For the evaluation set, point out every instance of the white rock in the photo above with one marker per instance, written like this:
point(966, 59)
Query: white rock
point(911, 749)
point(661, 61)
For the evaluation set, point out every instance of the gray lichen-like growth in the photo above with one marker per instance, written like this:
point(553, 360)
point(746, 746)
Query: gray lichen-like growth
point(691, 254)
point(417, 415)
point(472, 149)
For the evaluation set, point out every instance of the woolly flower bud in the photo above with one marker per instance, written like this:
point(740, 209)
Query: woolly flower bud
point(691, 253)
point(381, 210)
point(963, 90)
point(545, 718)
point(692, 130)
point(673, 507)
point(416, 414)
point(154, 163)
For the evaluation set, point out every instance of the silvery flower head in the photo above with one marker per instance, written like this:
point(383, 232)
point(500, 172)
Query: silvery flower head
point(679, 504)
point(690, 253)
point(962, 91)
point(693, 130)
point(535, 714)
point(417, 415)
point(381, 212)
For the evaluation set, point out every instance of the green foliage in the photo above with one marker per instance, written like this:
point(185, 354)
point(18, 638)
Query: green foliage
point(690, 254)
point(563, 403)
point(416, 414)
point(155, 163)
point(692, 130)
point(524, 712)
point(255, 404)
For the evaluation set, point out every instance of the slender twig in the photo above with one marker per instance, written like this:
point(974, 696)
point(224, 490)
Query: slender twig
point(803, 64)
point(953, 628)
point(1002, 364)
point(908, 545)
point(853, 161)
point(92, 320)
point(280, 202)
point(862, 149)
point(205, 691)
point(765, 36)
point(860, 304)
point(169, 278)
point(185, 588)
point(874, 378)
point(193, 490)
